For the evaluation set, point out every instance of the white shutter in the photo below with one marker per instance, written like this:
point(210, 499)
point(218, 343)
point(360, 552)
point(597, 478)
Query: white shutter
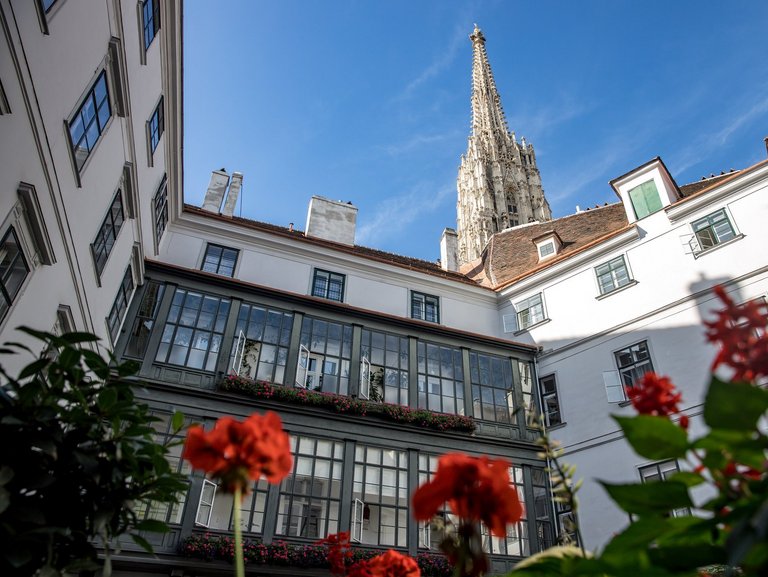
point(237, 359)
point(205, 504)
point(303, 367)
point(614, 388)
point(510, 322)
point(357, 521)
point(365, 378)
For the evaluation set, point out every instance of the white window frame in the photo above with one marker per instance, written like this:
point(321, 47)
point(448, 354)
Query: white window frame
point(237, 359)
point(524, 306)
point(365, 378)
point(614, 388)
point(357, 521)
point(200, 502)
point(549, 244)
point(303, 356)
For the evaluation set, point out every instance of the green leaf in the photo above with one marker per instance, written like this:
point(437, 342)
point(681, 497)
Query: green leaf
point(734, 406)
point(636, 537)
point(153, 526)
point(107, 399)
point(649, 498)
point(688, 478)
point(79, 337)
point(177, 422)
point(654, 437)
point(33, 368)
point(143, 543)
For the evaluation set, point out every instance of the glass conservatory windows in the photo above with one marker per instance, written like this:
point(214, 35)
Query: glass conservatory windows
point(440, 378)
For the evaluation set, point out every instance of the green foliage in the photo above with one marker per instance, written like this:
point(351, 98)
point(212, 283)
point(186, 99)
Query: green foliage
point(78, 455)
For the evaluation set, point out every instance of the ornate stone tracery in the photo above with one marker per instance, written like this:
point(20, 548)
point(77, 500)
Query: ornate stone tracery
point(499, 185)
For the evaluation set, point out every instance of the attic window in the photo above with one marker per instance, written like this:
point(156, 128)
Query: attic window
point(547, 249)
point(547, 245)
point(645, 199)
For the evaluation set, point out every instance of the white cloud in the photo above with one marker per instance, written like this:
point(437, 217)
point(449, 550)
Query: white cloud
point(418, 140)
point(394, 214)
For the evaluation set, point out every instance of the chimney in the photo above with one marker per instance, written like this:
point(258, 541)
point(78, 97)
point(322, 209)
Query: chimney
point(449, 253)
point(234, 192)
point(766, 144)
point(331, 220)
point(216, 189)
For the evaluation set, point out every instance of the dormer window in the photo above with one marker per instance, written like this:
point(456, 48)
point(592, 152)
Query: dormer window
point(645, 199)
point(548, 245)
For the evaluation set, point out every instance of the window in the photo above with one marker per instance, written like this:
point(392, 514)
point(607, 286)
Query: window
point(310, 496)
point(387, 358)
point(380, 493)
point(5, 107)
point(517, 541)
point(215, 510)
point(493, 394)
point(525, 370)
point(661, 472)
point(440, 378)
point(546, 249)
point(432, 532)
point(262, 337)
point(107, 234)
point(13, 270)
point(529, 312)
point(47, 4)
point(328, 285)
point(711, 231)
point(632, 362)
point(425, 307)
point(145, 319)
point(120, 305)
point(219, 260)
point(160, 205)
point(90, 121)
point(325, 359)
point(550, 401)
point(150, 13)
point(156, 126)
point(645, 199)
point(193, 331)
point(612, 275)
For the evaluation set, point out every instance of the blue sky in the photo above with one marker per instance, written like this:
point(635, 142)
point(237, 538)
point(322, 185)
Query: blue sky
point(368, 101)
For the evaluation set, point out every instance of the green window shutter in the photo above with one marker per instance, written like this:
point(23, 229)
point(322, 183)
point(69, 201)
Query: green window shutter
point(645, 199)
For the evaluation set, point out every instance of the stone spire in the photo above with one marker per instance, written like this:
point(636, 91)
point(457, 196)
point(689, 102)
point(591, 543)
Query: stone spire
point(499, 184)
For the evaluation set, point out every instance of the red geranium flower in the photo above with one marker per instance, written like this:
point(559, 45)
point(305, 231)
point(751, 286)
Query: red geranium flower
point(389, 564)
point(654, 395)
point(476, 488)
point(236, 452)
point(741, 332)
point(339, 551)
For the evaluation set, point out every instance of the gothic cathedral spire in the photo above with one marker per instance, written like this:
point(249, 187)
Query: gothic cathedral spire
point(499, 184)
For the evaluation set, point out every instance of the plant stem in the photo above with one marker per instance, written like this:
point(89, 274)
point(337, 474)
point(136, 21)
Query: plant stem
point(239, 565)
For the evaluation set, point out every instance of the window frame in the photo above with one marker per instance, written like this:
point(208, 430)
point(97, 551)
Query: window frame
point(108, 226)
point(662, 474)
point(427, 302)
point(617, 379)
point(224, 249)
point(634, 200)
point(160, 212)
point(89, 98)
point(529, 304)
point(154, 13)
point(617, 285)
point(156, 127)
point(326, 291)
point(484, 382)
point(546, 396)
point(711, 226)
point(5, 295)
point(119, 307)
point(431, 361)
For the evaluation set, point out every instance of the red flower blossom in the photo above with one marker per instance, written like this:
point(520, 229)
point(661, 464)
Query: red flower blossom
point(475, 488)
point(389, 564)
point(237, 452)
point(654, 395)
point(339, 551)
point(741, 332)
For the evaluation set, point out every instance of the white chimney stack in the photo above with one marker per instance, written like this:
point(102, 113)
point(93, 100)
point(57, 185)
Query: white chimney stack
point(216, 189)
point(449, 250)
point(233, 194)
point(331, 220)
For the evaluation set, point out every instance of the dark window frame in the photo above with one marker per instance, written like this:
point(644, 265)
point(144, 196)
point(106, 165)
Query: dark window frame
point(437, 366)
point(213, 263)
point(493, 388)
point(156, 125)
point(333, 285)
point(425, 307)
point(629, 360)
point(8, 296)
point(120, 304)
point(610, 273)
point(550, 401)
point(106, 236)
point(160, 207)
point(89, 121)
point(150, 21)
point(709, 224)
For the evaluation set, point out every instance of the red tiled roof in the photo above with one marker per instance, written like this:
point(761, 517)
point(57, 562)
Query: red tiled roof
point(705, 182)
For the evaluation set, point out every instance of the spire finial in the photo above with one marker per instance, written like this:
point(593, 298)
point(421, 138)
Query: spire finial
point(477, 35)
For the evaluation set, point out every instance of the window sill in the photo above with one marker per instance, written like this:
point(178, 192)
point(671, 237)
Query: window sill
point(717, 246)
point(555, 427)
point(616, 290)
point(529, 327)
